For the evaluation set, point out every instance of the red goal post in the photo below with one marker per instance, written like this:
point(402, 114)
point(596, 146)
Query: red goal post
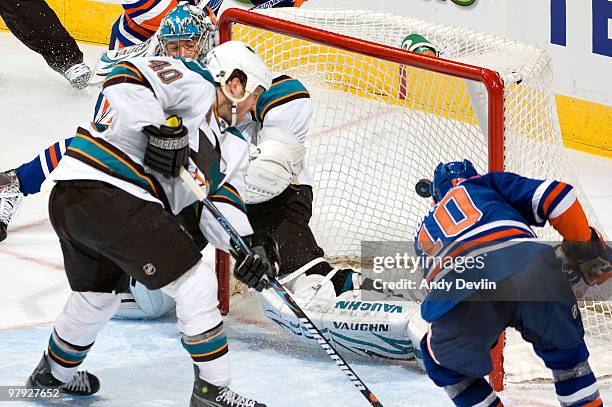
point(489, 78)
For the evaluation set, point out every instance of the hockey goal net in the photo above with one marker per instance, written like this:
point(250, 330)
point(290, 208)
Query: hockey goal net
point(385, 117)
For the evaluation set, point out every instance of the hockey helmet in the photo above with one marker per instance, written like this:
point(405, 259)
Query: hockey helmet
point(186, 22)
point(224, 59)
point(446, 175)
point(419, 44)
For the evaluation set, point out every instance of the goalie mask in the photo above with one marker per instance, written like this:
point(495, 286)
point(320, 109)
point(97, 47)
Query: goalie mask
point(447, 175)
point(186, 31)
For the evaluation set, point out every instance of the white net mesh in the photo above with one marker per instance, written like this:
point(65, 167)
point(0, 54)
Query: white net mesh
point(379, 127)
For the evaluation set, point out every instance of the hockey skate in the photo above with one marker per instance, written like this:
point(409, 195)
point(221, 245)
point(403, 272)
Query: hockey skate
point(208, 395)
point(78, 75)
point(10, 198)
point(82, 384)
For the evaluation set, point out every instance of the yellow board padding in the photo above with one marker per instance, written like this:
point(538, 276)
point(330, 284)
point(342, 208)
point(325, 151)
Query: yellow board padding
point(585, 125)
point(87, 21)
point(363, 76)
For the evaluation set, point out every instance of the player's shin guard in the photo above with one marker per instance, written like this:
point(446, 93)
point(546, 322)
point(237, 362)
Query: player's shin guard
point(75, 330)
point(464, 391)
point(575, 383)
point(209, 352)
point(199, 320)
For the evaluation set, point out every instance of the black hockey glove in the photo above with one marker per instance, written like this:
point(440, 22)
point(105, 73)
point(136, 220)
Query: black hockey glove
point(254, 270)
point(590, 260)
point(168, 147)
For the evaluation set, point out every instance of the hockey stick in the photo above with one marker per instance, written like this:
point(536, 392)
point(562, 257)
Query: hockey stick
point(267, 4)
point(195, 185)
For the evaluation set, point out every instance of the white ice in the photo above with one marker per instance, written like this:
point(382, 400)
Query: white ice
point(142, 363)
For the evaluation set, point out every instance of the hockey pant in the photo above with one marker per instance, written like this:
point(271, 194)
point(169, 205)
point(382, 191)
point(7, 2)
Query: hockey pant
point(35, 24)
point(456, 350)
point(198, 319)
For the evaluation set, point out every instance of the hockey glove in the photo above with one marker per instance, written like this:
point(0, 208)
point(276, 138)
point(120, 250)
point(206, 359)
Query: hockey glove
point(590, 260)
point(168, 147)
point(255, 270)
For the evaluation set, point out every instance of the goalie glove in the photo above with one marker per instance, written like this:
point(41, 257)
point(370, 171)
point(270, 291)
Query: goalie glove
point(590, 260)
point(256, 270)
point(274, 163)
point(168, 147)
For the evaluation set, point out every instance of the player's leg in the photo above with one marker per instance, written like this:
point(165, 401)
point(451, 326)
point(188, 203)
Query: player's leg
point(286, 218)
point(456, 351)
point(35, 24)
point(137, 301)
point(553, 325)
point(146, 241)
point(93, 279)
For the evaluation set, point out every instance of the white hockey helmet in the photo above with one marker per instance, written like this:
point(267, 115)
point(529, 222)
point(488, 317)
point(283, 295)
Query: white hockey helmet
point(224, 59)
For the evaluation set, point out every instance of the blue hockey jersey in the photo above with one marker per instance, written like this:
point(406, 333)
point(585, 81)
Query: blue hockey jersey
point(481, 232)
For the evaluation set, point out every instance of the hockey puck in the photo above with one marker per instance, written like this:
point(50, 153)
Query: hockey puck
point(423, 188)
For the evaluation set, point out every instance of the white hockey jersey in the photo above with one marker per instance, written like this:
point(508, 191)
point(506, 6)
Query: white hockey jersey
point(144, 91)
point(286, 105)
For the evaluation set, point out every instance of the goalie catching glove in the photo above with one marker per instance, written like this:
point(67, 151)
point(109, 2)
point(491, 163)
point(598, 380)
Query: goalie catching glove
point(274, 163)
point(168, 147)
point(255, 270)
point(589, 260)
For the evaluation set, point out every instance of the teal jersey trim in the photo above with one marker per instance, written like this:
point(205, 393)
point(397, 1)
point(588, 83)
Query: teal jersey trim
point(235, 132)
point(228, 194)
point(284, 90)
point(121, 69)
point(110, 160)
point(197, 68)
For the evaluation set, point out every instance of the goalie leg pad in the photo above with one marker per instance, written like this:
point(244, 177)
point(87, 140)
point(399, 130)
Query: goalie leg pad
point(374, 329)
point(142, 303)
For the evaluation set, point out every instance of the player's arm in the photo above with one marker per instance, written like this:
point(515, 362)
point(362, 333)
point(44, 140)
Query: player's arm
point(286, 105)
point(228, 198)
point(540, 201)
point(132, 97)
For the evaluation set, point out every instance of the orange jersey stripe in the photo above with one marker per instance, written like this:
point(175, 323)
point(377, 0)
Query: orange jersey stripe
point(153, 24)
point(146, 5)
point(137, 27)
point(551, 197)
point(594, 403)
point(53, 155)
point(572, 224)
point(464, 247)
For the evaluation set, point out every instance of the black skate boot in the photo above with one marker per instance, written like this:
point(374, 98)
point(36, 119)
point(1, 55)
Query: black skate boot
point(208, 395)
point(82, 384)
